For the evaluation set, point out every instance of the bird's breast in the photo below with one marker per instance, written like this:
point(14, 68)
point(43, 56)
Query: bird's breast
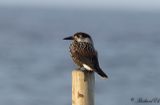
point(82, 48)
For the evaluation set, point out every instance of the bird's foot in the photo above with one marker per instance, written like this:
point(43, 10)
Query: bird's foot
point(79, 68)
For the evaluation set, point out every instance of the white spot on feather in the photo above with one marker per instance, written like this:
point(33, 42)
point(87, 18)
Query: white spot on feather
point(87, 67)
point(87, 40)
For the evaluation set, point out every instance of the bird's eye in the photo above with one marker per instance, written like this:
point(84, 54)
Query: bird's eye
point(76, 36)
point(80, 36)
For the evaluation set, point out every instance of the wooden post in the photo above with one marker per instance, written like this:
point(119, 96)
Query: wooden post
point(83, 87)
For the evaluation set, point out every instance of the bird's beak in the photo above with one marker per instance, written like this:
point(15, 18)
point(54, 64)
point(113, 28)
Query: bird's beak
point(68, 38)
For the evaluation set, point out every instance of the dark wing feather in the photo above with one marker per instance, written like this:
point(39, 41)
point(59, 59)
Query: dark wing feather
point(84, 53)
point(88, 56)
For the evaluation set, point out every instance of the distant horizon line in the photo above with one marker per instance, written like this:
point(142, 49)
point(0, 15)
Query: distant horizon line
point(80, 8)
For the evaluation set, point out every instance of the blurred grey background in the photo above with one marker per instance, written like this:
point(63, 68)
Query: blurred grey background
point(35, 66)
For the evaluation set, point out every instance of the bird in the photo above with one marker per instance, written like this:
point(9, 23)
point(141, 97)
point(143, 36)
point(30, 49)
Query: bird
point(84, 54)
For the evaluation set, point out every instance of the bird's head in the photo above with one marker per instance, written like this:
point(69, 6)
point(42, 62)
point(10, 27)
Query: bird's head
point(80, 37)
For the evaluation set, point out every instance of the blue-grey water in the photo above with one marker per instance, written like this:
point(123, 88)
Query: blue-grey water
point(35, 66)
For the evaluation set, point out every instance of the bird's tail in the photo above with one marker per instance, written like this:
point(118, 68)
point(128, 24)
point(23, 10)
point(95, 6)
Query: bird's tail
point(101, 73)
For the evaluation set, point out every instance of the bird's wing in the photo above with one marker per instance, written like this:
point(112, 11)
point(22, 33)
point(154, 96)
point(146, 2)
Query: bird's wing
point(88, 56)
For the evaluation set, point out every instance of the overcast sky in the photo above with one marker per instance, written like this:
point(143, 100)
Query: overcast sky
point(124, 4)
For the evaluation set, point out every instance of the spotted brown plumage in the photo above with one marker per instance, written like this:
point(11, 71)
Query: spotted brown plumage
point(84, 54)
